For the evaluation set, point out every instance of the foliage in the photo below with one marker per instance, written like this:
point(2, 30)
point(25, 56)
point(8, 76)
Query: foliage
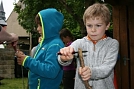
point(72, 10)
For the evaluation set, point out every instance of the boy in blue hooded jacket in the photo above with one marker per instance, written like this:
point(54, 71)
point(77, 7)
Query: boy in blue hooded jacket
point(44, 69)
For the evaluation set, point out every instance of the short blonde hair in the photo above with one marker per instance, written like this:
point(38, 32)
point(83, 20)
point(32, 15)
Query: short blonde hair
point(97, 10)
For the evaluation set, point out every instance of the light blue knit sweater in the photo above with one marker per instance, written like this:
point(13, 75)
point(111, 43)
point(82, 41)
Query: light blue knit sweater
point(101, 58)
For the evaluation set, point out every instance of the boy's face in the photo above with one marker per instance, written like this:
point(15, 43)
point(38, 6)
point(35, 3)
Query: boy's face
point(96, 28)
point(39, 29)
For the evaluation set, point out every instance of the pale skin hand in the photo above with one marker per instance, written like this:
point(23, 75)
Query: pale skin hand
point(9, 37)
point(66, 53)
point(20, 57)
point(15, 39)
point(85, 73)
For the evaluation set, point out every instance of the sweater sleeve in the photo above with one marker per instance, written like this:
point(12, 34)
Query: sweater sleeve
point(64, 63)
point(45, 64)
point(33, 51)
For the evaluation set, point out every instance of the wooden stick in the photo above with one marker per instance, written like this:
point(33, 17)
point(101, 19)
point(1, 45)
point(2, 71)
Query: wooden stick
point(83, 65)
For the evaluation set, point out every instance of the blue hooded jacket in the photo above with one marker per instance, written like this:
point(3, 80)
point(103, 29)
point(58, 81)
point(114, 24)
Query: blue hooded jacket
point(45, 71)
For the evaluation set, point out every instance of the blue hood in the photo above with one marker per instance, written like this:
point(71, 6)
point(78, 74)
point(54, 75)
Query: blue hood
point(51, 21)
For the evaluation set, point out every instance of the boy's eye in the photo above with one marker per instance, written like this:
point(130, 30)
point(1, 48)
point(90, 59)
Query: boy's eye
point(98, 25)
point(90, 26)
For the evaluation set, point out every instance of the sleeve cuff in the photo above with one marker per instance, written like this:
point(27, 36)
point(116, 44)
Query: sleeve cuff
point(24, 60)
point(66, 63)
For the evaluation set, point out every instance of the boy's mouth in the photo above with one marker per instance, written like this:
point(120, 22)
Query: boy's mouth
point(93, 35)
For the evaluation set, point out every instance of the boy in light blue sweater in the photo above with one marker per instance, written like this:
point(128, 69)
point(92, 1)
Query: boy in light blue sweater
point(102, 50)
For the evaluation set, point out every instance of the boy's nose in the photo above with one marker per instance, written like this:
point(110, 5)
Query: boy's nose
point(93, 29)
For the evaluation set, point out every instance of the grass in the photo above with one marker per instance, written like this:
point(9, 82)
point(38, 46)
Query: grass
point(16, 83)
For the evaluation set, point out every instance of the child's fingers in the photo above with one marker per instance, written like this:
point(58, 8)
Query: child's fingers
point(19, 53)
point(80, 68)
point(84, 78)
point(85, 73)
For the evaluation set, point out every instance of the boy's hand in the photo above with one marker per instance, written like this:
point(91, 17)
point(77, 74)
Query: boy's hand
point(20, 57)
point(85, 73)
point(66, 53)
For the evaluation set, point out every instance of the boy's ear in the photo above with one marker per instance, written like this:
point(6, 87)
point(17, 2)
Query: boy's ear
point(108, 26)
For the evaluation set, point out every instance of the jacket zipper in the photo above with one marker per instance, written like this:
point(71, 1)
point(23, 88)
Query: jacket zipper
point(38, 87)
point(94, 47)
